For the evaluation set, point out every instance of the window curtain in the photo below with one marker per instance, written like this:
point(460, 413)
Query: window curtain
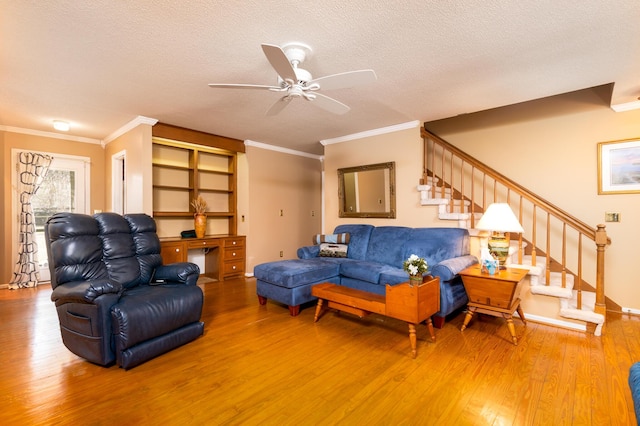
point(32, 168)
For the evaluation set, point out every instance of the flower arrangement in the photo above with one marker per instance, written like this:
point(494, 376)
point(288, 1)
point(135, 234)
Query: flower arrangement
point(415, 266)
point(200, 205)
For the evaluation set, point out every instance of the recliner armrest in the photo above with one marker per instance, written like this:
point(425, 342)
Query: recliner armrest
point(176, 273)
point(449, 268)
point(84, 291)
point(308, 252)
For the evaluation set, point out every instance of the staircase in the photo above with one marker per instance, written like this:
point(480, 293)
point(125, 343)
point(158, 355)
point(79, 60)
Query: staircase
point(560, 266)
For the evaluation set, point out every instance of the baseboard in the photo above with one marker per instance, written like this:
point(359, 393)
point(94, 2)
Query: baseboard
point(555, 322)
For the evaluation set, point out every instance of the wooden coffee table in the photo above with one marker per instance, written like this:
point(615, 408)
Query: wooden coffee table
point(497, 294)
point(412, 304)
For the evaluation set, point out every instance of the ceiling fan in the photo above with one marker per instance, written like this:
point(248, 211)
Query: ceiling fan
point(296, 82)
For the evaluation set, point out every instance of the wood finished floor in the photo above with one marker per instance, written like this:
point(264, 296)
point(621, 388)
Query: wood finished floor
point(258, 365)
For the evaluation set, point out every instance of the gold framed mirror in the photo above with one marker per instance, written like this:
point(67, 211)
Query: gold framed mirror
point(368, 191)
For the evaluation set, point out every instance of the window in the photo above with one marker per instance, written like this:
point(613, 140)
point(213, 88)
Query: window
point(65, 188)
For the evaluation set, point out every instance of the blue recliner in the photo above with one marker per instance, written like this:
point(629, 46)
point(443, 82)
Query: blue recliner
point(115, 300)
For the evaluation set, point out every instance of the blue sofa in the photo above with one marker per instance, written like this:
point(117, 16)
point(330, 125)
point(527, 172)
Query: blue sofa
point(634, 385)
point(374, 258)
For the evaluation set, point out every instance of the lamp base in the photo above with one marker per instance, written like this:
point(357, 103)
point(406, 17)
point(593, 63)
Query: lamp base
point(499, 247)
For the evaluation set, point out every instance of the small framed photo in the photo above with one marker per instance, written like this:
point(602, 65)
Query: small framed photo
point(619, 167)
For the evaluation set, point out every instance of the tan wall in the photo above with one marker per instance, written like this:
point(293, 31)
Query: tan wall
point(11, 141)
point(405, 148)
point(137, 144)
point(550, 147)
point(280, 181)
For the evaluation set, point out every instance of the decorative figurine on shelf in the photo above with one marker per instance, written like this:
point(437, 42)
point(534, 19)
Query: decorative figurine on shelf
point(200, 216)
point(415, 266)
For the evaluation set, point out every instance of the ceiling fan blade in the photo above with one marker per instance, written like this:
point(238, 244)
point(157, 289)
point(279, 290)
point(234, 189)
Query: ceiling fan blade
point(278, 106)
point(330, 104)
point(243, 86)
point(345, 79)
point(279, 61)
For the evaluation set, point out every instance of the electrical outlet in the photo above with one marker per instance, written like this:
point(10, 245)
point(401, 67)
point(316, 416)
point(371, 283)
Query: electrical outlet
point(612, 217)
point(281, 212)
point(281, 253)
point(313, 213)
point(243, 218)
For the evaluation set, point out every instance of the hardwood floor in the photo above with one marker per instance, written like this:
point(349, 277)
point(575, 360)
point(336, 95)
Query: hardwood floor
point(258, 365)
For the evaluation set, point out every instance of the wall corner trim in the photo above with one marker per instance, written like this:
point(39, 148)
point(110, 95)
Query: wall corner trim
point(373, 132)
point(262, 145)
point(53, 135)
point(130, 125)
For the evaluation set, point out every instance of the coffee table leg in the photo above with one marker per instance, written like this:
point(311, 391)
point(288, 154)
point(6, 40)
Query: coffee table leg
point(431, 330)
point(318, 310)
point(412, 338)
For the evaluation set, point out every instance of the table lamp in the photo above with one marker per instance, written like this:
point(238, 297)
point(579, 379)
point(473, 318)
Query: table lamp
point(500, 221)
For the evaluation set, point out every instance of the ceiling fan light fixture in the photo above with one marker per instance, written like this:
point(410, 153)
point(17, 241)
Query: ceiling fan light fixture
point(60, 125)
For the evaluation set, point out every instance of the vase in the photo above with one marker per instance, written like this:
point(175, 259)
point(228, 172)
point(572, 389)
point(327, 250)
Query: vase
point(415, 280)
point(200, 224)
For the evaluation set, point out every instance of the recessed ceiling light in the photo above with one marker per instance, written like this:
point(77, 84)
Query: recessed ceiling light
point(61, 125)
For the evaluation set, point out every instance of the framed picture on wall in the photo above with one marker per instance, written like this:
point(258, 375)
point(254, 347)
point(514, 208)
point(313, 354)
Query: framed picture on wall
point(619, 167)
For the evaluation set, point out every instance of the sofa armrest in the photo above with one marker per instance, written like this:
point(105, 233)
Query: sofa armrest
point(308, 252)
point(449, 268)
point(84, 291)
point(176, 273)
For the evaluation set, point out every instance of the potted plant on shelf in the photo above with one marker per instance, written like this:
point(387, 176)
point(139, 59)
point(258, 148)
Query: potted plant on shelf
point(200, 215)
point(415, 266)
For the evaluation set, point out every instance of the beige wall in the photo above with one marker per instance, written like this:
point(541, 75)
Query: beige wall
point(280, 181)
point(405, 148)
point(11, 140)
point(137, 145)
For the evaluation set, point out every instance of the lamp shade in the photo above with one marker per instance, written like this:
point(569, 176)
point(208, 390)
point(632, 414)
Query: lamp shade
point(499, 217)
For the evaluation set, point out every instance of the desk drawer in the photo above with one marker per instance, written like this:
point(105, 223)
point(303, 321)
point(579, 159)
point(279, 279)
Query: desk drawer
point(231, 253)
point(235, 267)
point(234, 242)
point(203, 244)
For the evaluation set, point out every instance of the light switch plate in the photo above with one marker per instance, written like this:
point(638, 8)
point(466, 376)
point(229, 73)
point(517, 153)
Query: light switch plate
point(612, 217)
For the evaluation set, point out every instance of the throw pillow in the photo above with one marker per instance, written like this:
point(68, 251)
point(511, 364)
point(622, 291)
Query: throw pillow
point(333, 250)
point(331, 238)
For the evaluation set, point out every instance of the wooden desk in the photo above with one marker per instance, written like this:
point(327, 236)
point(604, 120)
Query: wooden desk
point(224, 254)
point(412, 304)
point(497, 295)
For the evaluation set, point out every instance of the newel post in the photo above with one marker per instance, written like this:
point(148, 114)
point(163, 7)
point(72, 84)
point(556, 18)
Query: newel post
point(601, 242)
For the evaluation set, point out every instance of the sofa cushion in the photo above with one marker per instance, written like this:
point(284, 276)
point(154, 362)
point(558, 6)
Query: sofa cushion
point(358, 239)
point(333, 250)
point(342, 238)
point(363, 270)
point(436, 244)
point(297, 272)
point(386, 245)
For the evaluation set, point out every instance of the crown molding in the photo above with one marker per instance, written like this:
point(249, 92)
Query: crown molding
point(129, 126)
point(628, 106)
point(374, 132)
point(49, 134)
point(262, 145)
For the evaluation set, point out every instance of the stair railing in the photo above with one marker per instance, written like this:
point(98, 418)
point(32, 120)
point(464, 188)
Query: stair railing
point(447, 168)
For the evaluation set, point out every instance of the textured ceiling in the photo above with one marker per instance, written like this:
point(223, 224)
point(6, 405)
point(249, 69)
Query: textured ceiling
point(101, 63)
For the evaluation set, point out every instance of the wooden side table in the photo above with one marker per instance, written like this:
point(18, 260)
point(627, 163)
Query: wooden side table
point(496, 295)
